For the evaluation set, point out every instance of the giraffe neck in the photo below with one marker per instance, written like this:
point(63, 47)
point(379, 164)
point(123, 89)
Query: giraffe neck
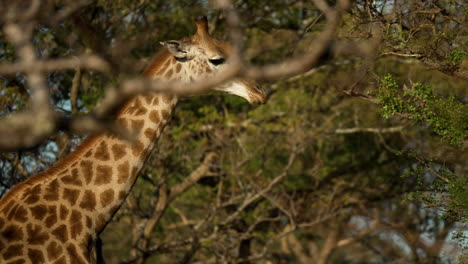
point(108, 165)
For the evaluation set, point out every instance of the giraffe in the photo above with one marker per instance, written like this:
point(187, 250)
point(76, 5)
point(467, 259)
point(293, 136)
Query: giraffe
point(56, 216)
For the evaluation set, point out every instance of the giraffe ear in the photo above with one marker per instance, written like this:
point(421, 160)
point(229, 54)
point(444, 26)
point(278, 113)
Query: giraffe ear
point(177, 48)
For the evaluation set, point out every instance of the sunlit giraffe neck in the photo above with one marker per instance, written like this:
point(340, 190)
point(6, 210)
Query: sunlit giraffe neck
point(55, 216)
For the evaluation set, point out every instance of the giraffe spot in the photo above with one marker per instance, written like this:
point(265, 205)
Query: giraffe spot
point(167, 98)
point(137, 125)
point(12, 212)
point(135, 106)
point(32, 195)
point(76, 225)
point(12, 233)
point(118, 150)
point(149, 133)
point(89, 153)
point(148, 98)
point(168, 74)
point(60, 233)
point(87, 170)
point(123, 171)
point(2, 223)
point(101, 222)
point(154, 116)
point(54, 250)
point(21, 215)
point(63, 212)
point(73, 179)
point(103, 174)
point(61, 260)
point(165, 114)
point(52, 191)
point(114, 208)
point(71, 195)
point(36, 256)
point(102, 153)
point(134, 171)
point(123, 123)
point(75, 258)
point(89, 222)
point(89, 201)
point(51, 216)
point(137, 148)
point(36, 236)
point(140, 111)
point(155, 100)
point(7, 207)
point(106, 197)
point(178, 67)
point(13, 251)
point(19, 261)
point(38, 211)
point(122, 195)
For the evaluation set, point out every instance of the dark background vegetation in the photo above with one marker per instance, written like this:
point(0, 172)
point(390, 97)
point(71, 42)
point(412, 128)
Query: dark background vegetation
point(361, 160)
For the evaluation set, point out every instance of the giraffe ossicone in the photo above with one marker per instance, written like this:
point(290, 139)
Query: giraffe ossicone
point(55, 216)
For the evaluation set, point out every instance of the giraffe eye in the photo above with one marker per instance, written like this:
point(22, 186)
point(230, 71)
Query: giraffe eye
point(217, 61)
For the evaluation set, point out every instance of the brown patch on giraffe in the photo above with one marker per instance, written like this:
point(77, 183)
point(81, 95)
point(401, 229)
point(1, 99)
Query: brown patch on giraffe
point(165, 114)
point(123, 123)
point(36, 236)
point(178, 67)
point(51, 216)
point(137, 125)
point(54, 250)
point(87, 170)
point(122, 195)
point(38, 211)
point(102, 152)
point(101, 222)
point(12, 233)
point(123, 171)
point(52, 191)
point(7, 207)
point(154, 116)
point(73, 179)
point(71, 195)
point(148, 98)
point(134, 171)
point(2, 223)
point(169, 73)
point(88, 154)
point(61, 260)
point(106, 197)
point(32, 195)
point(167, 98)
point(155, 101)
point(61, 233)
point(75, 258)
point(12, 212)
point(63, 212)
point(89, 222)
point(76, 224)
point(103, 174)
point(140, 111)
point(13, 251)
point(36, 256)
point(149, 133)
point(118, 150)
point(21, 214)
point(137, 148)
point(89, 201)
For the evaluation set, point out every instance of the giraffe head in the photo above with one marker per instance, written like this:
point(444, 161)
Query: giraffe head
point(201, 56)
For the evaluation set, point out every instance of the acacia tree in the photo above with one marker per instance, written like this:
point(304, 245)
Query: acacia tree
point(359, 159)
